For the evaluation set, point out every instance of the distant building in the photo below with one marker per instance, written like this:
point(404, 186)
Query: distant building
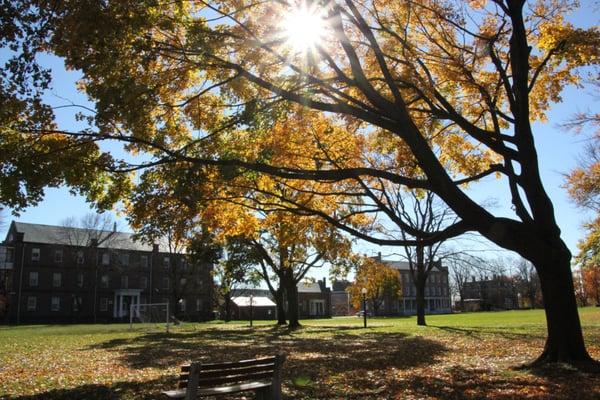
point(488, 294)
point(258, 307)
point(340, 299)
point(437, 291)
point(50, 274)
point(314, 299)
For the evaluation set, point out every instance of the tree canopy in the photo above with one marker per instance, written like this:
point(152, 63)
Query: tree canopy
point(429, 95)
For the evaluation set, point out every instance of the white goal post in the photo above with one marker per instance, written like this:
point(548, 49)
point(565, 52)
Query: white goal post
point(151, 313)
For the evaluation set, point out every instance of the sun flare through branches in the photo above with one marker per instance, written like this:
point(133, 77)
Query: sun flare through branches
point(304, 27)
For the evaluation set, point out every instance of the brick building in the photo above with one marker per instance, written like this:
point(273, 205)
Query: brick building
point(59, 274)
point(496, 293)
point(340, 299)
point(437, 291)
point(314, 299)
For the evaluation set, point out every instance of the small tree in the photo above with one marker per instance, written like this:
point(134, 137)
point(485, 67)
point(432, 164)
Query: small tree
point(461, 268)
point(89, 232)
point(580, 291)
point(528, 283)
point(233, 272)
point(591, 282)
point(382, 283)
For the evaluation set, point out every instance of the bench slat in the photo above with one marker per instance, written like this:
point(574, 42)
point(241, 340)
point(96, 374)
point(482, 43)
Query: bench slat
point(232, 364)
point(201, 380)
point(227, 372)
point(212, 391)
point(235, 379)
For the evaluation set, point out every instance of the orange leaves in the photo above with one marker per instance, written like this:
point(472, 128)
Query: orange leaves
point(380, 281)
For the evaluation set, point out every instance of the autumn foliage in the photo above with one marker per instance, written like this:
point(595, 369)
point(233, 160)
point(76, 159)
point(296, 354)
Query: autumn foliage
point(382, 284)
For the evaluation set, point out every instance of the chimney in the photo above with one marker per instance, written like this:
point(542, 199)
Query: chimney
point(379, 256)
point(115, 226)
point(155, 247)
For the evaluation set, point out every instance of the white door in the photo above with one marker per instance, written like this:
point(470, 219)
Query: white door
point(317, 307)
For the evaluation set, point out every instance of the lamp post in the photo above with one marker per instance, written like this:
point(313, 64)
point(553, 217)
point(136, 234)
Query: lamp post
point(364, 299)
point(251, 309)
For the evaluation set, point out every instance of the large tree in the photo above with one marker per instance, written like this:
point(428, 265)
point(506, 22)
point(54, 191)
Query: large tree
point(450, 88)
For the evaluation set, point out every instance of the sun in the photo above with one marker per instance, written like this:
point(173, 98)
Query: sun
point(304, 27)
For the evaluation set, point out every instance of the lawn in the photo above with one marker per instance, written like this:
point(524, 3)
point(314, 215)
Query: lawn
point(462, 356)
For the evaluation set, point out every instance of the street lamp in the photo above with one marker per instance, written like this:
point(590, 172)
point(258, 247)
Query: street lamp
point(364, 298)
point(251, 309)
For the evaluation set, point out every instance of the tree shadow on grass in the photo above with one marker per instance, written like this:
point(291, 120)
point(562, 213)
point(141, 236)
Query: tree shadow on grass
point(479, 332)
point(313, 359)
point(150, 389)
point(459, 383)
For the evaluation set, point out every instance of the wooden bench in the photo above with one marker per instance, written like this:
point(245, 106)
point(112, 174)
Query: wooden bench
point(260, 375)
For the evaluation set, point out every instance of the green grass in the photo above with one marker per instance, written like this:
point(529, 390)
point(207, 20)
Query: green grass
point(460, 356)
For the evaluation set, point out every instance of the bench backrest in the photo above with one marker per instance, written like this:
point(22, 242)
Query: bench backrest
point(198, 375)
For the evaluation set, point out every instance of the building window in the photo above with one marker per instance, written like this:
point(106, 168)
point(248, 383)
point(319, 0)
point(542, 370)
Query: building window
point(80, 257)
point(58, 256)
point(103, 304)
point(182, 305)
point(106, 258)
point(104, 281)
point(31, 303)
point(35, 254)
point(124, 259)
point(144, 261)
point(56, 279)
point(143, 282)
point(166, 262)
point(165, 283)
point(55, 303)
point(80, 279)
point(198, 305)
point(124, 282)
point(33, 279)
point(76, 303)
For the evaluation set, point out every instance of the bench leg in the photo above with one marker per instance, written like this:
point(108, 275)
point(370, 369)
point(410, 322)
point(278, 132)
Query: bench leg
point(262, 394)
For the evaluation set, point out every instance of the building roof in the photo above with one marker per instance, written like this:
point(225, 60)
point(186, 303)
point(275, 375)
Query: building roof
point(244, 301)
point(405, 266)
point(309, 287)
point(51, 234)
point(340, 286)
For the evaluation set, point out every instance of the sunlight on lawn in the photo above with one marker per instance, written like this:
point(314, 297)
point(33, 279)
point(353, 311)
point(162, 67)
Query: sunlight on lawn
point(461, 356)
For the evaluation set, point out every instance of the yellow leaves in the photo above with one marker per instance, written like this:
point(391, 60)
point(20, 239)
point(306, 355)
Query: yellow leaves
point(380, 281)
point(477, 4)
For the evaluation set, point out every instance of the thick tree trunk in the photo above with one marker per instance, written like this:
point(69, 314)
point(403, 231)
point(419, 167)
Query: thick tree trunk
point(291, 291)
point(279, 301)
point(227, 308)
point(565, 340)
point(421, 304)
point(420, 283)
point(292, 297)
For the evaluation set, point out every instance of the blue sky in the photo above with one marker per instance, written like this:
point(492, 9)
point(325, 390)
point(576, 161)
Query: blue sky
point(558, 153)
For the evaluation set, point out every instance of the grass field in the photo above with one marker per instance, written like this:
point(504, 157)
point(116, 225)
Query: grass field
point(461, 356)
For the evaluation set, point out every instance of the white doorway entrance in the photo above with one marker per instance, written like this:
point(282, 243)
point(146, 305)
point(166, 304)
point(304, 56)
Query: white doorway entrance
point(124, 299)
point(317, 308)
